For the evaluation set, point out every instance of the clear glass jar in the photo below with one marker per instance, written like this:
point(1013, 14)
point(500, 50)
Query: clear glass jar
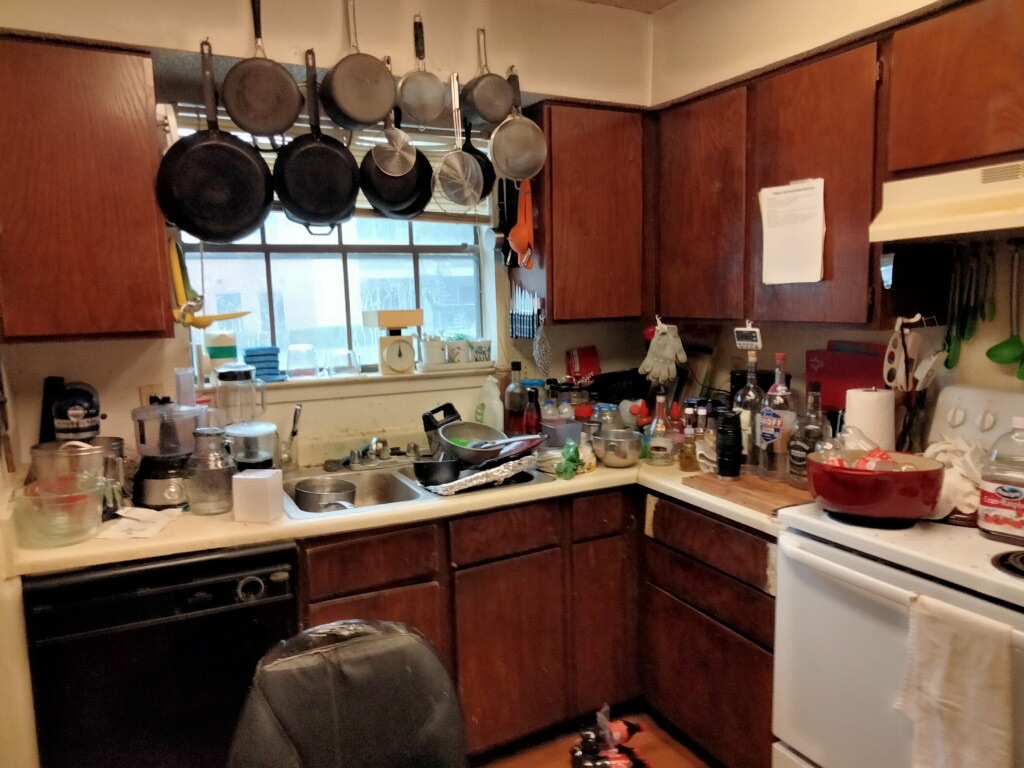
point(208, 474)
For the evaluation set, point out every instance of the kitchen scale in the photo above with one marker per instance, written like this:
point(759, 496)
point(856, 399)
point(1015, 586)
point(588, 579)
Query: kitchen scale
point(396, 352)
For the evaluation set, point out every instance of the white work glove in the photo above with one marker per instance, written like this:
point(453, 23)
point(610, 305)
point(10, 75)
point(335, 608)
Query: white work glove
point(665, 353)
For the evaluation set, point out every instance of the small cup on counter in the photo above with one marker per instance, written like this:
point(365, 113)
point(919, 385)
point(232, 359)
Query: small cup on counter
point(458, 352)
point(479, 350)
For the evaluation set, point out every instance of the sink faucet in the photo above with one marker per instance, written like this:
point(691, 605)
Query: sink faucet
point(378, 448)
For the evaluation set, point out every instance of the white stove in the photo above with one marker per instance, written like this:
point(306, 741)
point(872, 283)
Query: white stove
point(843, 605)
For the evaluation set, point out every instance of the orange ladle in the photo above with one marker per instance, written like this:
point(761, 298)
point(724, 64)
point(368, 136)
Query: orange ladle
point(520, 237)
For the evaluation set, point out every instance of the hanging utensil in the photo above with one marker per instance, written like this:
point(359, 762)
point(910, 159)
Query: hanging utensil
point(458, 180)
point(421, 94)
point(358, 91)
point(894, 369)
point(518, 146)
point(393, 154)
point(1011, 349)
point(971, 310)
point(988, 313)
point(487, 97)
point(260, 95)
point(521, 235)
point(951, 343)
point(486, 167)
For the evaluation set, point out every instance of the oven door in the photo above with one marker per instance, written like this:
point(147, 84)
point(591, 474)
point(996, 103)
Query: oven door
point(840, 646)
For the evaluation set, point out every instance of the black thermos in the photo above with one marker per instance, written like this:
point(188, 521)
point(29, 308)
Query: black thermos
point(730, 445)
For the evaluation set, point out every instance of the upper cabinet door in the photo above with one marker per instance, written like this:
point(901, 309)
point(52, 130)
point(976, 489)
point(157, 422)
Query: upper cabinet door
point(592, 192)
point(82, 243)
point(957, 87)
point(818, 121)
point(701, 207)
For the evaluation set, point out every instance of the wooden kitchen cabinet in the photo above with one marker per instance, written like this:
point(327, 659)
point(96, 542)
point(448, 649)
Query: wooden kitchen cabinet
point(394, 575)
point(957, 86)
point(589, 214)
point(817, 120)
point(510, 634)
point(82, 243)
point(702, 193)
point(603, 636)
point(708, 632)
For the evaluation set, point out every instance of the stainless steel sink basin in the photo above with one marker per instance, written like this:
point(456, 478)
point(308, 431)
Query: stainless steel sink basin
point(374, 488)
point(379, 488)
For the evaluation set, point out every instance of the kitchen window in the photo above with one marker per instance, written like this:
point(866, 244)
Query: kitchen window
point(313, 289)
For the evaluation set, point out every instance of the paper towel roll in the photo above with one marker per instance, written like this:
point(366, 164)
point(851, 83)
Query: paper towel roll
point(873, 412)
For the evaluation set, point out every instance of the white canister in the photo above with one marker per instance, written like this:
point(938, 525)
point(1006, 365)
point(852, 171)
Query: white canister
point(434, 353)
point(873, 412)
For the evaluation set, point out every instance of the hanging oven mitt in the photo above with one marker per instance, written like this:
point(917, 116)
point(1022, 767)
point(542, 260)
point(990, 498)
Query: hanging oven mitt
point(665, 353)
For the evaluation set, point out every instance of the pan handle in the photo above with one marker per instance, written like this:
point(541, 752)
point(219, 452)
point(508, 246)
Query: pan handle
point(481, 50)
point(209, 86)
point(417, 36)
point(257, 25)
point(322, 232)
point(312, 100)
point(353, 42)
point(517, 95)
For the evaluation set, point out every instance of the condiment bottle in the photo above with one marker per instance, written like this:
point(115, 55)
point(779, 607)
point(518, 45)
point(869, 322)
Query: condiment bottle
point(515, 402)
point(688, 456)
point(660, 444)
point(675, 420)
point(777, 419)
point(531, 415)
point(565, 409)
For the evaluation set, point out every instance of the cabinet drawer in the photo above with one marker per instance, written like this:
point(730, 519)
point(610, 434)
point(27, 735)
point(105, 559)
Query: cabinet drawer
point(599, 515)
point(504, 533)
point(418, 605)
point(738, 606)
point(361, 563)
point(736, 551)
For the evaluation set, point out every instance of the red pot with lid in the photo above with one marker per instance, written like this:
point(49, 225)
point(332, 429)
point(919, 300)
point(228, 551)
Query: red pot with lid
point(909, 493)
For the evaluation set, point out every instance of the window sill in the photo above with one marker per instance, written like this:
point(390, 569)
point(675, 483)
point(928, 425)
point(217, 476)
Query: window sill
point(363, 384)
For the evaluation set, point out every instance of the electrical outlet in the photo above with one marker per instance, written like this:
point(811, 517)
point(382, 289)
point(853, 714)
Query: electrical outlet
point(147, 390)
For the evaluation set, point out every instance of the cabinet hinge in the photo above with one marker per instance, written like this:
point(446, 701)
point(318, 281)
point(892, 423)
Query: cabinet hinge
point(879, 69)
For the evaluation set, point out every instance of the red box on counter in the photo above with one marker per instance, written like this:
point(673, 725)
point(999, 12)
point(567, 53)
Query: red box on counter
point(845, 365)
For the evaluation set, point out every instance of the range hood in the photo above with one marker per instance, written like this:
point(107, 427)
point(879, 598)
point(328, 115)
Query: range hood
point(976, 200)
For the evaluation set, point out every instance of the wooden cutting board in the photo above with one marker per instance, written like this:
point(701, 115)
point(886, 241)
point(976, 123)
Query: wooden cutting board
point(752, 492)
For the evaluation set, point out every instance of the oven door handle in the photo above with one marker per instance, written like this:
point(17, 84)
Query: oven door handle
point(844, 575)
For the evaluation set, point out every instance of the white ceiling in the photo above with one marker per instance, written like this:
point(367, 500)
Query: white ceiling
point(643, 6)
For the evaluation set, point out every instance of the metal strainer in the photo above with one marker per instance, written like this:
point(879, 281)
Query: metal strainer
point(394, 155)
point(421, 94)
point(458, 181)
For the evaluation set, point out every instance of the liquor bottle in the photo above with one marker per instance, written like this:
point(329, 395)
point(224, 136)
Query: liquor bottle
point(531, 416)
point(747, 404)
point(515, 402)
point(660, 445)
point(808, 431)
point(776, 425)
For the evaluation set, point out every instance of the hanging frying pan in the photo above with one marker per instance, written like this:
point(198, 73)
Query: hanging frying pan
point(421, 94)
point(487, 98)
point(212, 184)
point(518, 146)
point(259, 94)
point(316, 177)
point(388, 193)
point(424, 191)
point(358, 91)
point(486, 167)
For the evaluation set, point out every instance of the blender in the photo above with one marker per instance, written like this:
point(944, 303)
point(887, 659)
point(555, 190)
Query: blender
point(253, 444)
point(237, 386)
point(164, 439)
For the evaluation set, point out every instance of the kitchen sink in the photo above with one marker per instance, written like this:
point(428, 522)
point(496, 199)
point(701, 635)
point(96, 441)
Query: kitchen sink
point(374, 488)
point(380, 488)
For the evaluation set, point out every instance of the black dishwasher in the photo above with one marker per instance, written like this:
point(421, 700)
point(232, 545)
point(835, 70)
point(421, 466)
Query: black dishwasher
point(148, 664)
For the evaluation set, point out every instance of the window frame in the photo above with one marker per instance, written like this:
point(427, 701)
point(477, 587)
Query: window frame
point(334, 245)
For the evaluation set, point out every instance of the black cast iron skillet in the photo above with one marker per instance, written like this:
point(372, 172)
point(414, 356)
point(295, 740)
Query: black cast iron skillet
point(388, 194)
point(316, 177)
point(212, 184)
point(486, 166)
point(424, 192)
point(261, 95)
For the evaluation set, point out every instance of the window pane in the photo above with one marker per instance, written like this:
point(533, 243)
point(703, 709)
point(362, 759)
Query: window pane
point(283, 231)
point(234, 282)
point(253, 239)
point(309, 301)
point(435, 233)
point(365, 230)
point(377, 281)
point(450, 293)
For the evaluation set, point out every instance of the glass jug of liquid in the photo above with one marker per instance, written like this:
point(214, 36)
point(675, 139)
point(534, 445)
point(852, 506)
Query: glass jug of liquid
point(237, 388)
point(208, 474)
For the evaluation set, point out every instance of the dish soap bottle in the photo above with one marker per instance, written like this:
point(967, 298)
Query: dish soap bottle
point(1001, 511)
point(489, 409)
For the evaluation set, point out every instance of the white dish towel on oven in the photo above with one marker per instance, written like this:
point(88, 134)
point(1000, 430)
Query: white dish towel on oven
point(957, 687)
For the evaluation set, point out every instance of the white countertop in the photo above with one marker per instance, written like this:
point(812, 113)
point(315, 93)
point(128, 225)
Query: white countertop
point(190, 533)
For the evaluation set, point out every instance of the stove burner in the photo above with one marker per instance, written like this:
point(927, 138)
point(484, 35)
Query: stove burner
point(882, 523)
point(1010, 562)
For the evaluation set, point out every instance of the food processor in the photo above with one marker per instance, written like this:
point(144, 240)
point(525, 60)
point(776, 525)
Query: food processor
point(164, 439)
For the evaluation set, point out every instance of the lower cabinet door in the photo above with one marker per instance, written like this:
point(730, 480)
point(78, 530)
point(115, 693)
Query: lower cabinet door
point(605, 668)
point(711, 683)
point(419, 605)
point(510, 634)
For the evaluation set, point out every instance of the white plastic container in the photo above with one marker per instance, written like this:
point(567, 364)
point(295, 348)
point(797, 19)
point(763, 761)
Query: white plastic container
point(1001, 511)
point(489, 409)
point(258, 495)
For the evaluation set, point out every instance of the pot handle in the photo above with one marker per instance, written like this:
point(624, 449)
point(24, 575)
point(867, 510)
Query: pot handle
point(417, 36)
point(257, 26)
point(481, 50)
point(322, 232)
point(353, 42)
point(209, 86)
point(517, 95)
point(337, 505)
point(262, 387)
point(312, 99)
